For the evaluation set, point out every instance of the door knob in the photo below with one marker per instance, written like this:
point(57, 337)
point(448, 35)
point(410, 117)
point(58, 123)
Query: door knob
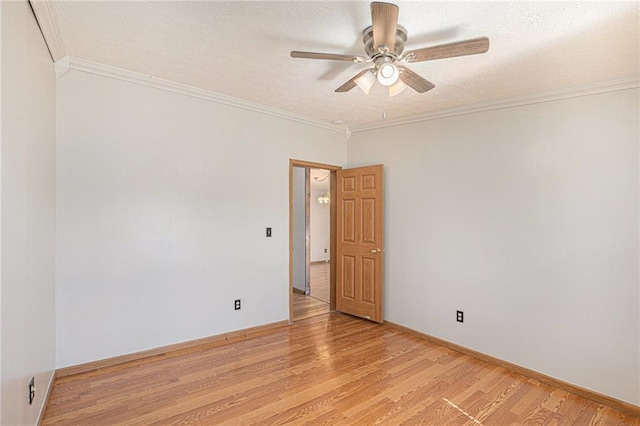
point(375, 250)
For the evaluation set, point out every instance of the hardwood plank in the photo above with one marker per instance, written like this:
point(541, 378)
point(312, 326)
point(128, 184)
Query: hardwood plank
point(173, 350)
point(326, 369)
point(307, 307)
point(633, 410)
point(319, 280)
point(317, 303)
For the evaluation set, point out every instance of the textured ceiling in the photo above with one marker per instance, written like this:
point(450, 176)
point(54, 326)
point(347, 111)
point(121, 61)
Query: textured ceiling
point(319, 179)
point(241, 49)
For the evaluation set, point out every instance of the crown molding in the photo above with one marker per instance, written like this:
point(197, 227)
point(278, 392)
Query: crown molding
point(62, 66)
point(346, 132)
point(45, 12)
point(574, 92)
point(183, 89)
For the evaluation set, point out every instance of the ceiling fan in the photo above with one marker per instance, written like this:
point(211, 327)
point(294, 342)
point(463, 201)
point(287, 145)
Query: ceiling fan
point(384, 44)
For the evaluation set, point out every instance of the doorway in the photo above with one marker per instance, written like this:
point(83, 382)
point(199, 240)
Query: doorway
point(312, 224)
point(356, 247)
point(318, 199)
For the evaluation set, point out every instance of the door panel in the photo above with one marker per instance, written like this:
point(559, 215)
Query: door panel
point(349, 277)
point(349, 221)
point(368, 280)
point(359, 260)
point(368, 220)
point(348, 184)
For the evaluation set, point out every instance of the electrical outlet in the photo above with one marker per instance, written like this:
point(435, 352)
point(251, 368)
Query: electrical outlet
point(459, 316)
point(236, 304)
point(325, 250)
point(32, 390)
point(268, 232)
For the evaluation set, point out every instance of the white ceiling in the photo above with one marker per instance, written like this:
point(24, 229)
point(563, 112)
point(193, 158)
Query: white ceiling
point(319, 179)
point(241, 49)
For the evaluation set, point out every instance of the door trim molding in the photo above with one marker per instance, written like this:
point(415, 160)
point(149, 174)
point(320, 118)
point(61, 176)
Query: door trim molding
point(332, 226)
point(307, 231)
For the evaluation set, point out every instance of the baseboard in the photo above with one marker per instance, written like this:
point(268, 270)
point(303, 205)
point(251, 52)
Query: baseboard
point(45, 402)
point(175, 349)
point(543, 378)
point(297, 290)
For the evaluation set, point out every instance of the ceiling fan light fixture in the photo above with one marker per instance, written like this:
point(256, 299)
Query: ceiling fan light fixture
point(397, 88)
point(384, 44)
point(365, 82)
point(324, 198)
point(388, 74)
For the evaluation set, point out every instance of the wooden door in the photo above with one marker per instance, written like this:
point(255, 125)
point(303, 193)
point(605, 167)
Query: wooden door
point(359, 260)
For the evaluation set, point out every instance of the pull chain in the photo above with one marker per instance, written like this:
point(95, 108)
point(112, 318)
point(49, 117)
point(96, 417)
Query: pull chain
point(385, 101)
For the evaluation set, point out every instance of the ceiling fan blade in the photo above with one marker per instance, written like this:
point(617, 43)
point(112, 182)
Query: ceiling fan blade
point(384, 17)
point(328, 56)
point(459, 48)
point(414, 81)
point(351, 83)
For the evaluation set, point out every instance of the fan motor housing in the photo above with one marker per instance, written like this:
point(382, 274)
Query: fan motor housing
point(371, 51)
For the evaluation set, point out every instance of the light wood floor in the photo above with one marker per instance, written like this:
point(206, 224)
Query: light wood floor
point(329, 369)
point(307, 307)
point(319, 281)
point(317, 303)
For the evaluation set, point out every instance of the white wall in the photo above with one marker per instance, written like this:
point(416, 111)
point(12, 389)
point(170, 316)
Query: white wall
point(320, 222)
point(163, 201)
point(299, 229)
point(527, 220)
point(28, 214)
